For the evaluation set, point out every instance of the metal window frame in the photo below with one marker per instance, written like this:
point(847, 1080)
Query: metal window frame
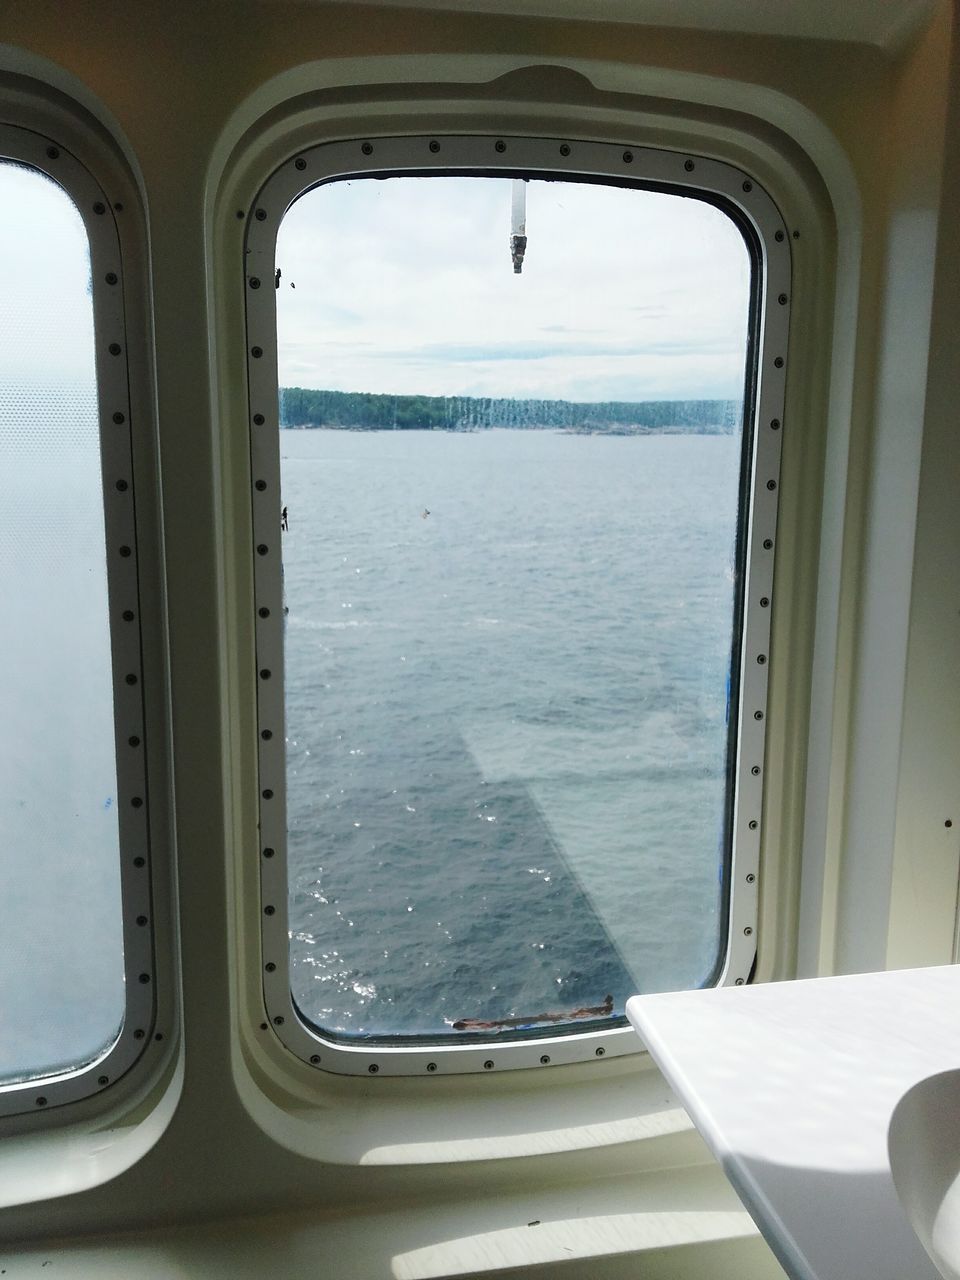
point(51, 159)
point(744, 199)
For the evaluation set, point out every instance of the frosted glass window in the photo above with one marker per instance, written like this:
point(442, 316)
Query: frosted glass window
point(62, 969)
point(512, 546)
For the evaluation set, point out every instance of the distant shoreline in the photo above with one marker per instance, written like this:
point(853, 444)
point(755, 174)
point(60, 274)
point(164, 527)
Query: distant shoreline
point(708, 429)
point(305, 409)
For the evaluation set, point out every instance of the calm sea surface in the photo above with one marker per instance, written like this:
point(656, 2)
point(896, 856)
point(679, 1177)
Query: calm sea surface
point(506, 720)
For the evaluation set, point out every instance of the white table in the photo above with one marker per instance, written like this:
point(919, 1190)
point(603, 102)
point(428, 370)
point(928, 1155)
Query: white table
point(792, 1085)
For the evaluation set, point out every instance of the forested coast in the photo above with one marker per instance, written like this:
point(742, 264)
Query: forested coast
point(304, 408)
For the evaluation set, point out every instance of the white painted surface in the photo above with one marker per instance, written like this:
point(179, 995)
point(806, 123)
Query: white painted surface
point(793, 1085)
point(925, 1160)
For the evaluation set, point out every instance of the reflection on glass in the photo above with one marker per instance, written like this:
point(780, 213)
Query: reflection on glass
point(510, 585)
point(61, 977)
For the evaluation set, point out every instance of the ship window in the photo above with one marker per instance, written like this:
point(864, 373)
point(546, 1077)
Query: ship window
point(502, 552)
point(65, 566)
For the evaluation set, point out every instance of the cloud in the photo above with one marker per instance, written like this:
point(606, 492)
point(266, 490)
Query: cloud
point(464, 353)
point(405, 285)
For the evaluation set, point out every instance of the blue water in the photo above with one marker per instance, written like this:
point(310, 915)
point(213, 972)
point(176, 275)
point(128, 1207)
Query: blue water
point(506, 721)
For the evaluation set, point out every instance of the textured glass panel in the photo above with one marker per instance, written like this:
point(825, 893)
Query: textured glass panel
point(61, 971)
point(510, 575)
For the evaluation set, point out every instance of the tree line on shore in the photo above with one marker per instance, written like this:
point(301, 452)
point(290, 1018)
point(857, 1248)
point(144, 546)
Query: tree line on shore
point(303, 408)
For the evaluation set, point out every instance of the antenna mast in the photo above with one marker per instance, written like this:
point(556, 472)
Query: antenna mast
point(518, 224)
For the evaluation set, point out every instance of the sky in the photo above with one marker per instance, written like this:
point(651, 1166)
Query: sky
point(405, 285)
point(46, 308)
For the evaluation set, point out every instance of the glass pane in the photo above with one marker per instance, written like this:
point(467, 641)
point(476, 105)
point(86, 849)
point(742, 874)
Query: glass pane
point(61, 979)
point(510, 574)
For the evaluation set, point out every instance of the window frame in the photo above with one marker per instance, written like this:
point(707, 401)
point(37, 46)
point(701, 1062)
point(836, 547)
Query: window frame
point(739, 195)
point(53, 160)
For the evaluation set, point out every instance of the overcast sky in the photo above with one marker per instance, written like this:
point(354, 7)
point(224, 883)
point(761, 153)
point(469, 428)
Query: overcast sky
point(46, 310)
point(405, 285)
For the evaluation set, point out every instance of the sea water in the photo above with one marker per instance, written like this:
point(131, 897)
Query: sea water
point(507, 658)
